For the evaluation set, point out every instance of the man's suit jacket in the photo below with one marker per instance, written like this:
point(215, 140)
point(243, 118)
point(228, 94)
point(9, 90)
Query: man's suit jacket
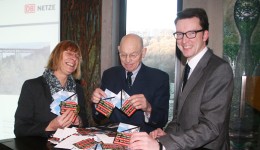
point(202, 119)
point(151, 82)
point(33, 113)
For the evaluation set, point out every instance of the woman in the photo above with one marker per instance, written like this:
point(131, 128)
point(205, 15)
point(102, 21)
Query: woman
point(33, 116)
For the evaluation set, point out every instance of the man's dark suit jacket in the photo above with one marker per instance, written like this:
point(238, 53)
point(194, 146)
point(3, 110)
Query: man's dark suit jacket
point(151, 82)
point(33, 113)
point(202, 119)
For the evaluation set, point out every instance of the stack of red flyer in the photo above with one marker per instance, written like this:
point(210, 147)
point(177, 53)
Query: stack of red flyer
point(86, 131)
point(122, 138)
point(93, 138)
point(105, 107)
point(73, 106)
point(120, 101)
point(112, 146)
point(86, 144)
point(124, 133)
point(69, 105)
point(64, 100)
point(127, 108)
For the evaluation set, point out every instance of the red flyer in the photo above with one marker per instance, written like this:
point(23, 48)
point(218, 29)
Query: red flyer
point(127, 108)
point(122, 138)
point(85, 144)
point(105, 107)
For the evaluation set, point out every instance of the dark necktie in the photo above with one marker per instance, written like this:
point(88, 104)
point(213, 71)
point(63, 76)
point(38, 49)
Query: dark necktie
point(129, 79)
point(186, 74)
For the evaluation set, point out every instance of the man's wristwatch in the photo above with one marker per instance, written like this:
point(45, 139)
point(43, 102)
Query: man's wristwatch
point(160, 144)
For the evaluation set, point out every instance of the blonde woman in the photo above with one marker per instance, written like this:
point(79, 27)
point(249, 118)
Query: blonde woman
point(33, 116)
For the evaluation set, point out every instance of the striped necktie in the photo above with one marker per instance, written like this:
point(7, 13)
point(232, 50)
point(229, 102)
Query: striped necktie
point(129, 79)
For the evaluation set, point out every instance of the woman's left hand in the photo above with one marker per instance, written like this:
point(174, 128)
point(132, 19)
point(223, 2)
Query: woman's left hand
point(63, 121)
point(77, 121)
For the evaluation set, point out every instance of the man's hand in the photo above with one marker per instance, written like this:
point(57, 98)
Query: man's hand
point(139, 102)
point(157, 133)
point(141, 140)
point(97, 95)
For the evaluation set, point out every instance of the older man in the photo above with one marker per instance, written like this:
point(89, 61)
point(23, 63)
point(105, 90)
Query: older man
point(148, 87)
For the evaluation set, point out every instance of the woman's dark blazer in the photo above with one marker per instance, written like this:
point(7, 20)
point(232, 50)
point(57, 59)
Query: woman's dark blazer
point(33, 113)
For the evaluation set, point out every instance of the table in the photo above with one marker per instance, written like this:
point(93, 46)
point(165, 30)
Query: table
point(26, 143)
point(38, 143)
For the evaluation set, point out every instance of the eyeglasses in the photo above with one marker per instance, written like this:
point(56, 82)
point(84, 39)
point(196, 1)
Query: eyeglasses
point(189, 34)
point(71, 54)
point(131, 56)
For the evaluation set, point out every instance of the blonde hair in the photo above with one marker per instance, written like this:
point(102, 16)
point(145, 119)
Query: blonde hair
point(56, 56)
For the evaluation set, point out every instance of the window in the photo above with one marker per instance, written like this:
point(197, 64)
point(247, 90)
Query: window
point(154, 21)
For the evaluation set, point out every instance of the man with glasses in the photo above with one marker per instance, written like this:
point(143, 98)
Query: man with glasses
point(147, 87)
point(201, 118)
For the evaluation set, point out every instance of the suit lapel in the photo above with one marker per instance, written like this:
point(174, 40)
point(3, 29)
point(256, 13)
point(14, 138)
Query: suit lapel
point(140, 79)
point(47, 90)
point(193, 80)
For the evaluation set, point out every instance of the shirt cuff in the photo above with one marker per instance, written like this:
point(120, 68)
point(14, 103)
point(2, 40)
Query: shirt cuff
point(163, 148)
point(96, 112)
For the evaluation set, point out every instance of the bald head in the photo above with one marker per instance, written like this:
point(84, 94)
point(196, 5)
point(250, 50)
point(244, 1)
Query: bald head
point(131, 51)
point(133, 39)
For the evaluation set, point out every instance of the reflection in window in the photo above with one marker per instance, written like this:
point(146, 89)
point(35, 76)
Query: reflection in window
point(154, 21)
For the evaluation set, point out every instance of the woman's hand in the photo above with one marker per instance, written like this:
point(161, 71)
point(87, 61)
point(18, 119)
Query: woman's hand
point(62, 121)
point(78, 121)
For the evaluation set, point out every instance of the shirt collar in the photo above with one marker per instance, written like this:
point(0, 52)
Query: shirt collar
point(195, 60)
point(135, 71)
